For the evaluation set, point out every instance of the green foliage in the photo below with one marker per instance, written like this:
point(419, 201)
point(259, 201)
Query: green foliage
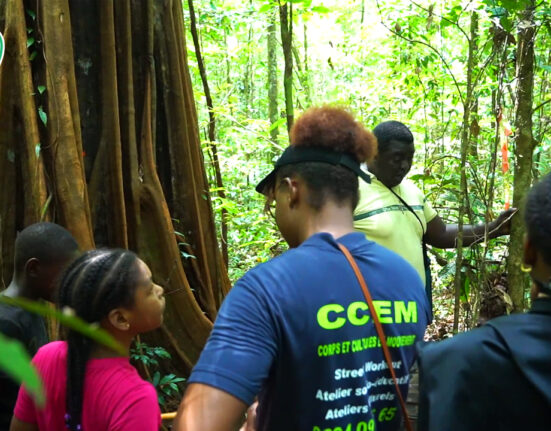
point(15, 362)
point(166, 385)
point(391, 59)
point(67, 318)
point(43, 116)
point(148, 356)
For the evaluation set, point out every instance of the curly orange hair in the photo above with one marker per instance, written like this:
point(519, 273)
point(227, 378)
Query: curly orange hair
point(335, 128)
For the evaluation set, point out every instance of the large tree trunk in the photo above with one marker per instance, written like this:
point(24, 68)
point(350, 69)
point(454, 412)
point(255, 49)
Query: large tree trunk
point(524, 149)
point(116, 146)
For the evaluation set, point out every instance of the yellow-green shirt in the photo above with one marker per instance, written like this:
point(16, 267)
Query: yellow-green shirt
point(385, 220)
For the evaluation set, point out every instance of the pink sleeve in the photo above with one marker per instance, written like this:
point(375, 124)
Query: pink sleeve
point(25, 409)
point(140, 411)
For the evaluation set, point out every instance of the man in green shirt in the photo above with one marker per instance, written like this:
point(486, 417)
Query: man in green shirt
point(394, 213)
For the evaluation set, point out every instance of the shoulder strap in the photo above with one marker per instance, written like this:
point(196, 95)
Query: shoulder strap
point(408, 207)
point(380, 332)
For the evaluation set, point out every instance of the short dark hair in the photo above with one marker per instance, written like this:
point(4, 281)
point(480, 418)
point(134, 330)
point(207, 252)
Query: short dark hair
point(335, 129)
point(48, 242)
point(388, 131)
point(96, 283)
point(537, 216)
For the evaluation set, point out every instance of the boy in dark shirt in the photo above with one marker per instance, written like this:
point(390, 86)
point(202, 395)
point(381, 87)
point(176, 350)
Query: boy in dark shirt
point(42, 251)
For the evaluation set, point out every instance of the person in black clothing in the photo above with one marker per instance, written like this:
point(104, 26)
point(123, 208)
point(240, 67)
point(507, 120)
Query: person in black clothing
point(498, 377)
point(42, 251)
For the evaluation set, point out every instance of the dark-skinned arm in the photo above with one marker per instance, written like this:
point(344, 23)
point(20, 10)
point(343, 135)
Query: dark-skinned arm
point(17, 425)
point(205, 408)
point(443, 235)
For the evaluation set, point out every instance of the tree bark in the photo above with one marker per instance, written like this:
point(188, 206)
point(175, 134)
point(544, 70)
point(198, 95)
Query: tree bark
point(272, 76)
point(120, 116)
point(286, 24)
point(467, 108)
point(524, 148)
point(211, 131)
point(63, 138)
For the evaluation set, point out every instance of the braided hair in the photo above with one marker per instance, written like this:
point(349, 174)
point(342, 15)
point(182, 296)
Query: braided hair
point(95, 284)
point(537, 216)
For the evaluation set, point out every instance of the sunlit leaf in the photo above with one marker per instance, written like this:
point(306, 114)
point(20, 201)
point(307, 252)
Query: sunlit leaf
point(15, 362)
point(67, 318)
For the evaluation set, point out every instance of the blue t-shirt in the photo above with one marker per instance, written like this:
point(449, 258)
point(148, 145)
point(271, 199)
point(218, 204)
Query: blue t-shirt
point(296, 331)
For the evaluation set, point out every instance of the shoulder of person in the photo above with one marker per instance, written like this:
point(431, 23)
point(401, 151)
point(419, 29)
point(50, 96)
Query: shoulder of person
point(142, 389)
point(465, 344)
point(10, 325)
point(55, 350)
point(273, 268)
point(410, 187)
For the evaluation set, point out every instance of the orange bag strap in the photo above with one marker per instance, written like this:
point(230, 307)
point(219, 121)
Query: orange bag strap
point(380, 332)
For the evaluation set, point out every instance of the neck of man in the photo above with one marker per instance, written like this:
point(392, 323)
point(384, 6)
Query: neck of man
point(373, 170)
point(18, 289)
point(332, 218)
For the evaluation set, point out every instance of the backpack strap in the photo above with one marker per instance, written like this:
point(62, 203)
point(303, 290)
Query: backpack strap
point(380, 332)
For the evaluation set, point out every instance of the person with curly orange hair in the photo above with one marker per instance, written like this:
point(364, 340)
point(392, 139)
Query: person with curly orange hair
point(296, 331)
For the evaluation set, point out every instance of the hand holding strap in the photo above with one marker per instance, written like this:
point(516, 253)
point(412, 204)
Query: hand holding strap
point(380, 332)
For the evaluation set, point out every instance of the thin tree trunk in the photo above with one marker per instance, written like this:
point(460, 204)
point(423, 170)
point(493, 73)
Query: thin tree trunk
point(524, 149)
point(306, 81)
point(286, 24)
point(467, 107)
point(272, 76)
point(211, 130)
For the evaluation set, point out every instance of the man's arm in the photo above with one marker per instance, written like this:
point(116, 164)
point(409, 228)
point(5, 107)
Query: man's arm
point(443, 235)
point(205, 408)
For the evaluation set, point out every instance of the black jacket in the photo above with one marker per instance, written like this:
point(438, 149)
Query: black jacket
point(497, 377)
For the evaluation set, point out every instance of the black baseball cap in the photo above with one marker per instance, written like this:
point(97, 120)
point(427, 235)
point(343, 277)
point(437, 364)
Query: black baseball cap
point(293, 155)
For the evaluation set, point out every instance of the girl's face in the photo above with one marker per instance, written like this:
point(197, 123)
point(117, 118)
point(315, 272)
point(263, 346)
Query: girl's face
point(149, 302)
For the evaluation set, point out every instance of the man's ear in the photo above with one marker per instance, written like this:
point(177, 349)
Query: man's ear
point(293, 191)
point(530, 253)
point(118, 319)
point(32, 267)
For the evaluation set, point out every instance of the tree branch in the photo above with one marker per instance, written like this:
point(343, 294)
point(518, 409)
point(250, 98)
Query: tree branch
point(541, 105)
point(428, 45)
point(442, 17)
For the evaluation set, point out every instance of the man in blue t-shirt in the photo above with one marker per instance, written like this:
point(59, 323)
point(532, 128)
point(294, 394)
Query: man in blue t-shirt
point(296, 331)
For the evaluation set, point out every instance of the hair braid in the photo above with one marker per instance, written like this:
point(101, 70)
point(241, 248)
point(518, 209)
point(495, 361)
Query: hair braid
point(92, 287)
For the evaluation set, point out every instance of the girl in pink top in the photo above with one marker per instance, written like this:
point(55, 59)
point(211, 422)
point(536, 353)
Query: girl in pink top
point(88, 386)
